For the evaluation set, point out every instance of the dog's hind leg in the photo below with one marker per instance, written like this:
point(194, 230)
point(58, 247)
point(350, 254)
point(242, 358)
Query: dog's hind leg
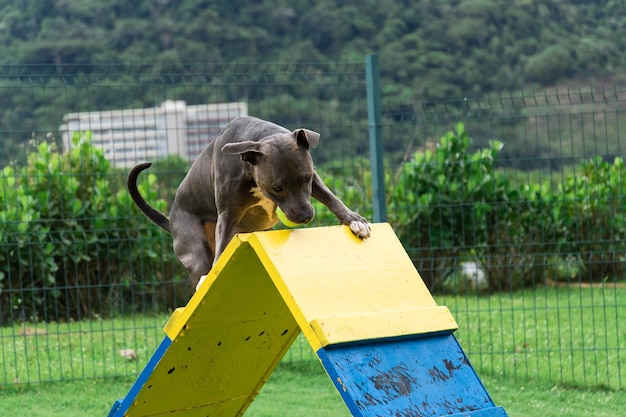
point(209, 230)
point(191, 246)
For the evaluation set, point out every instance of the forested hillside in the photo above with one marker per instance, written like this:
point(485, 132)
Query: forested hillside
point(429, 48)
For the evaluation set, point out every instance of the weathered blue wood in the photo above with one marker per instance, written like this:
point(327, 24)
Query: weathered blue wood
point(121, 406)
point(488, 412)
point(417, 377)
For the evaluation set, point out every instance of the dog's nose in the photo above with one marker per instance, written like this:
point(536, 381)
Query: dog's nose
point(305, 220)
point(304, 216)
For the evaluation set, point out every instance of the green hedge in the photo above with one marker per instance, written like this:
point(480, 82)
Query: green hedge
point(453, 205)
point(72, 243)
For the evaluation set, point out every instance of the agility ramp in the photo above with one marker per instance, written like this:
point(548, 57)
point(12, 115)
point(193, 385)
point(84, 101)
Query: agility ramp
point(385, 344)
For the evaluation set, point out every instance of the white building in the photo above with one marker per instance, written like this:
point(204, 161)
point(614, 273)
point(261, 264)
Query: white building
point(137, 135)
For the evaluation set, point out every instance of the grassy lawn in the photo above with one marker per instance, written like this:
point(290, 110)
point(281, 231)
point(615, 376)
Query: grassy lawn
point(569, 335)
point(84, 349)
point(299, 391)
point(549, 352)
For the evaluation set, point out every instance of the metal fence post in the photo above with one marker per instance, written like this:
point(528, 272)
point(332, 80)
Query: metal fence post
point(375, 137)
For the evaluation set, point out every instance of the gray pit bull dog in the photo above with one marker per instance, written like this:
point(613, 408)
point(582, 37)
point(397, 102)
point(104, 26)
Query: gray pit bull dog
point(235, 185)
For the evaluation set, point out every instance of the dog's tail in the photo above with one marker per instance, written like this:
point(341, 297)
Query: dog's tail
point(154, 215)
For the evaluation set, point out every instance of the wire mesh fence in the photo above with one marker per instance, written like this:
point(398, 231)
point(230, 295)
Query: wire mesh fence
point(514, 219)
point(511, 206)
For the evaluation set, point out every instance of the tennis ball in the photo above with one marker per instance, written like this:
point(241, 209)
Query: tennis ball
point(283, 219)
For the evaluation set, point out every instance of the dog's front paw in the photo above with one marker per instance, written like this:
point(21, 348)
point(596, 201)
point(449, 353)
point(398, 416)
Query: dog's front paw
point(357, 223)
point(360, 228)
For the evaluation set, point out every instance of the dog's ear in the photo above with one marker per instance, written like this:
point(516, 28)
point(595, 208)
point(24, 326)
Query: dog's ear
point(248, 150)
point(306, 137)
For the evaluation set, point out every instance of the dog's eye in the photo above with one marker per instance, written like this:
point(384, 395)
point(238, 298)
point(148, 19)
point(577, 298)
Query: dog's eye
point(278, 189)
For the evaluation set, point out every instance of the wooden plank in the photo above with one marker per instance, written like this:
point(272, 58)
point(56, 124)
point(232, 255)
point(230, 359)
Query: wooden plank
point(225, 344)
point(419, 376)
point(325, 272)
point(383, 324)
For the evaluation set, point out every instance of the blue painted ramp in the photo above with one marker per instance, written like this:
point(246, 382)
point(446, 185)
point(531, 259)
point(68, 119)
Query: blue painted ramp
point(410, 376)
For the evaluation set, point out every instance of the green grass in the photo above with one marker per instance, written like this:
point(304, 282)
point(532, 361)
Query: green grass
point(540, 399)
point(76, 350)
point(567, 335)
point(305, 391)
point(547, 352)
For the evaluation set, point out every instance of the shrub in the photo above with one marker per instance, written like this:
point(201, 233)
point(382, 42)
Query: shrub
point(450, 206)
point(71, 245)
point(593, 204)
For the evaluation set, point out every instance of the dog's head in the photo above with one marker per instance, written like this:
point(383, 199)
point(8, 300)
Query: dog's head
point(282, 168)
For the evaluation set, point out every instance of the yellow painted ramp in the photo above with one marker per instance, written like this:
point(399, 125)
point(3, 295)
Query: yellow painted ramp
point(266, 287)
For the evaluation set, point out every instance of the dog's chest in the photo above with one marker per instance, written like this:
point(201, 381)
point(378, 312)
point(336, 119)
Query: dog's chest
point(260, 215)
